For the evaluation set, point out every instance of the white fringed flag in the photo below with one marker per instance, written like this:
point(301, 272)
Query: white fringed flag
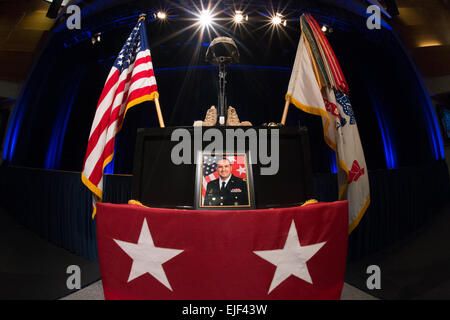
point(318, 86)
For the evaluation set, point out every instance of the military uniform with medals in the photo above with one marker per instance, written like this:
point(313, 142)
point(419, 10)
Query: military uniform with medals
point(235, 193)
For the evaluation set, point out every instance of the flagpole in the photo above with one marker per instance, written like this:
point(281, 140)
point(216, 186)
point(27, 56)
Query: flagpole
point(158, 111)
point(142, 16)
point(285, 112)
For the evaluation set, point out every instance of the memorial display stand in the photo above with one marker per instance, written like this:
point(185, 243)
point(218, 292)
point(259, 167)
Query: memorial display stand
point(158, 182)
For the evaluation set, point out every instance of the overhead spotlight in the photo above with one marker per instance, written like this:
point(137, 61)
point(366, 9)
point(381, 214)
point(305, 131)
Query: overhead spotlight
point(161, 15)
point(205, 18)
point(96, 38)
point(277, 19)
point(327, 29)
point(240, 17)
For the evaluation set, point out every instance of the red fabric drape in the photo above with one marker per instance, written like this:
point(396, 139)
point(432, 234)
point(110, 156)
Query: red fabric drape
point(217, 258)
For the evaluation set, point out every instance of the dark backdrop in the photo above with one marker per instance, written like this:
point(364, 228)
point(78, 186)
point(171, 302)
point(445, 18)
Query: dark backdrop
point(55, 111)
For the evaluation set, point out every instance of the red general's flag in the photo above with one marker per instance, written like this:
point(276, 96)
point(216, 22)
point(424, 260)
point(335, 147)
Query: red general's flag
point(164, 254)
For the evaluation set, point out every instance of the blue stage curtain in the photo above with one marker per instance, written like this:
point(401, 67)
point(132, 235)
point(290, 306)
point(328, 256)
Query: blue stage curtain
point(66, 92)
point(57, 206)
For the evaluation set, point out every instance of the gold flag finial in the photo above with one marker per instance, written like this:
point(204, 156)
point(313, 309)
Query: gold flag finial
point(142, 16)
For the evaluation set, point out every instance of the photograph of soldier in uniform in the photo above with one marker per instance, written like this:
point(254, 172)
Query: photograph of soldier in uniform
point(225, 181)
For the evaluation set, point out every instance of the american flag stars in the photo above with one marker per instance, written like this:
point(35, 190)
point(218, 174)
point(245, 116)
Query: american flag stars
point(132, 47)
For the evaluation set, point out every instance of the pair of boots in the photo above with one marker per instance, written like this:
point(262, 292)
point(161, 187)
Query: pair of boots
point(211, 118)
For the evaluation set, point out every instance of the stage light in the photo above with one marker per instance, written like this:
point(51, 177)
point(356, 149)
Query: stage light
point(277, 19)
point(96, 38)
point(327, 29)
point(161, 15)
point(239, 17)
point(205, 18)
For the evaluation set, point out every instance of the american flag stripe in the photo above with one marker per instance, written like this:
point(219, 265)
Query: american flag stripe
point(115, 86)
point(112, 89)
point(97, 173)
point(140, 84)
point(143, 75)
point(101, 127)
point(110, 82)
point(138, 92)
point(105, 103)
point(130, 81)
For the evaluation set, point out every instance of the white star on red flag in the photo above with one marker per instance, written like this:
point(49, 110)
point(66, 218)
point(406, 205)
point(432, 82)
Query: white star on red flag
point(291, 260)
point(241, 170)
point(147, 258)
point(231, 159)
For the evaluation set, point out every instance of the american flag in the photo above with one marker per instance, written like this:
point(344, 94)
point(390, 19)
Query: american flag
point(238, 168)
point(130, 82)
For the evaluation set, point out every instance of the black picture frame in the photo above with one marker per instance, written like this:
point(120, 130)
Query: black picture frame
point(200, 189)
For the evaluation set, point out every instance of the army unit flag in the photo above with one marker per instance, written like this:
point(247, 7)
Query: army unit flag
point(130, 82)
point(318, 86)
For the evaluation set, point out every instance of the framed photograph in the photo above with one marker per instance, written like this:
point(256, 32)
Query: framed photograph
point(224, 181)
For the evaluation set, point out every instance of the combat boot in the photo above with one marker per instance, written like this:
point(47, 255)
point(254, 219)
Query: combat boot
point(233, 119)
point(210, 118)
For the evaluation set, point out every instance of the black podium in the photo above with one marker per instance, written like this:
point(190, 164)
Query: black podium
point(159, 182)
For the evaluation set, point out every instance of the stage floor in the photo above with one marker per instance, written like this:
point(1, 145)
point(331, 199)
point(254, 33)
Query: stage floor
point(415, 268)
point(95, 292)
point(32, 268)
